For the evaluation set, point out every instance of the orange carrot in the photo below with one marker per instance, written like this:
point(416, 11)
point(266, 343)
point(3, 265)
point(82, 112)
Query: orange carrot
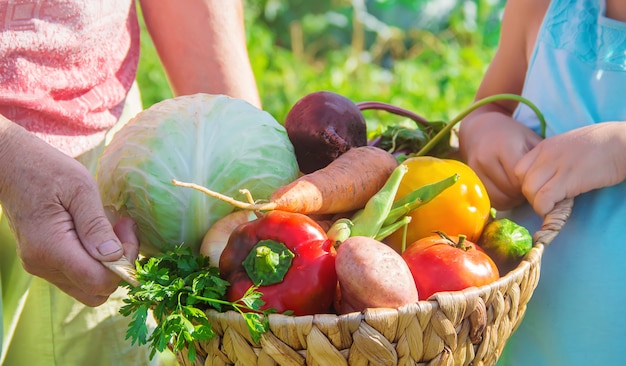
point(346, 184)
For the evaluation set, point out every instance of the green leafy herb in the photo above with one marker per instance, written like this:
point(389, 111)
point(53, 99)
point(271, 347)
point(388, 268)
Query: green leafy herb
point(178, 287)
point(408, 141)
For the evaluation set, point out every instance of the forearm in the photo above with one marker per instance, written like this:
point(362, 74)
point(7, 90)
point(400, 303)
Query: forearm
point(7, 128)
point(202, 46)
point(9, 133)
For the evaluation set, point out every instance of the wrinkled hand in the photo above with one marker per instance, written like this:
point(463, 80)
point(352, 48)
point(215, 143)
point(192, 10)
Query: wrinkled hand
point(54, 208)
point(572, 163)
point(492, 144)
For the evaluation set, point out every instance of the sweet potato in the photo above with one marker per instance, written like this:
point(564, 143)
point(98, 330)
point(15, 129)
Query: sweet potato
point(371, 275)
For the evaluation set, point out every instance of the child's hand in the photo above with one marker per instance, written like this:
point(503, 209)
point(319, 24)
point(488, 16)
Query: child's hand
point(492, 144)
point(572, 163)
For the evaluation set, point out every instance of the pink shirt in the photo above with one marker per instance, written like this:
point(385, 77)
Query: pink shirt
point(66, 66)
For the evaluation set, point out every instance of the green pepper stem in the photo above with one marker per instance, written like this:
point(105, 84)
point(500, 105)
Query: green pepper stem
point(268, 262)
point(492, 98)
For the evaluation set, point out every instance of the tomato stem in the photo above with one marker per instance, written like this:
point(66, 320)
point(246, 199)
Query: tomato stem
point(460, 244)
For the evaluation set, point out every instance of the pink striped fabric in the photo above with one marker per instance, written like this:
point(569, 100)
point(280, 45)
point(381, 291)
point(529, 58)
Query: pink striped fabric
point(66, 66)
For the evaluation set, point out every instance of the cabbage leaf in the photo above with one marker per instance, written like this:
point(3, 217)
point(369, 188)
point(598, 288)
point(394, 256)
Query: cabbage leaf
point(222, 143)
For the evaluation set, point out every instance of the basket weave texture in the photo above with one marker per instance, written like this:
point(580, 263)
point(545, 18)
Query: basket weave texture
point(468, 327)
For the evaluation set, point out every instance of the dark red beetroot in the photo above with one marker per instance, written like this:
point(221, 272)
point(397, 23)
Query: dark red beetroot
point(322, 126)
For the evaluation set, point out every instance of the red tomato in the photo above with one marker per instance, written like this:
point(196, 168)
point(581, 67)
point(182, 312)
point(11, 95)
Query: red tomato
point(441, 263)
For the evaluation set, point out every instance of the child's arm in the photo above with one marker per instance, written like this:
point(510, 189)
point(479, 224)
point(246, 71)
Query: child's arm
point(490, 140)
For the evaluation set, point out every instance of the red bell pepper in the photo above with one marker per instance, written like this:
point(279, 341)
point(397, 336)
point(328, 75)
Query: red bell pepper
point(289, 257)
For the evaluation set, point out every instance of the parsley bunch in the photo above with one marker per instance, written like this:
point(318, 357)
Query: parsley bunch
point(179, 286)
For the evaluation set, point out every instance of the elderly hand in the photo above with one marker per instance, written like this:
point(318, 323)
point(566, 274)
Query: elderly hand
point(54, 208)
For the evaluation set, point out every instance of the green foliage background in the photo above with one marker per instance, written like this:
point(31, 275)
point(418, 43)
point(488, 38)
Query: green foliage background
point(427, 56)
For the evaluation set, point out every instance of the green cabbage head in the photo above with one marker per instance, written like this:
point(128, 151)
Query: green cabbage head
point(221, 143)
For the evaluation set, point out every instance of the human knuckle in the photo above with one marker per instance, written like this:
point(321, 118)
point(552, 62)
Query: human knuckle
point(97, 224)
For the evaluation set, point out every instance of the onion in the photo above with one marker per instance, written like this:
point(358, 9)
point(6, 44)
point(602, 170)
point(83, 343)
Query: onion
point(217, 236)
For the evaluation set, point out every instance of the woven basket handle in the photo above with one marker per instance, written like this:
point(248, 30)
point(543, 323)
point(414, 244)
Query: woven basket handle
point(554, 221)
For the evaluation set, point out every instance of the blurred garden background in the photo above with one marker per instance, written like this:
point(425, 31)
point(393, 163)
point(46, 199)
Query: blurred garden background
point(427, 56)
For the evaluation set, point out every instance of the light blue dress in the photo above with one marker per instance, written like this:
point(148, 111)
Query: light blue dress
point(577, 315)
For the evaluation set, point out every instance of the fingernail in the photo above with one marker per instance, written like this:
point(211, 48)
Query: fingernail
point(109, 247)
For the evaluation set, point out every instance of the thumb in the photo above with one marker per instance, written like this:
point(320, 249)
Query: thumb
point(126, 230)
point(93, 227)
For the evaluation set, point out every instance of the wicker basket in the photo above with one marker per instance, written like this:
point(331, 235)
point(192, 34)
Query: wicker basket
point(452, 328)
